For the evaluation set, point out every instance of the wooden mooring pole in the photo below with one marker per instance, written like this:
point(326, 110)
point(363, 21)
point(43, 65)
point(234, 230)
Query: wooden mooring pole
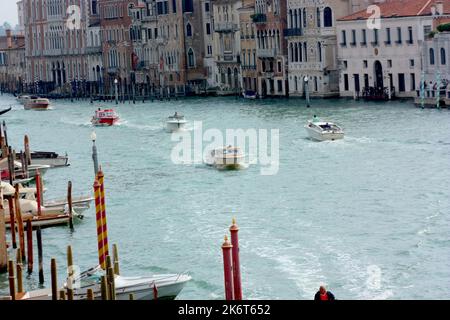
point(12, 222)
point(19, 268)
point(12, 280)
point(116, 260)
point(40, 259)
point(54, 278)
point(19, 222)
point(29, 246)
point(69, 202)
point(3, 251)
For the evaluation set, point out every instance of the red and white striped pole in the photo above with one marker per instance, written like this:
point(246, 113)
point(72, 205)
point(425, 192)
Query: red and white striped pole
point(234, 229)
point(228, 269)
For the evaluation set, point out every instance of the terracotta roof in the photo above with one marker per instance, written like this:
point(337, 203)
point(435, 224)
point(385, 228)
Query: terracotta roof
point(400, 8)
point(17, 42)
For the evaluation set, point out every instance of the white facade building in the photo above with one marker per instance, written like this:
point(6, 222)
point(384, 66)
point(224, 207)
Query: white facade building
point(381, 63)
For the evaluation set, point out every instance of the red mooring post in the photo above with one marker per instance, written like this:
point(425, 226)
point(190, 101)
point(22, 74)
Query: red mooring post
point(234, 229)
point(228, 269)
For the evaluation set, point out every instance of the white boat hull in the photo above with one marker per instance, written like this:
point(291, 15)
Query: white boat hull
point(324, 136)
point(174, 126)
point(52, 162)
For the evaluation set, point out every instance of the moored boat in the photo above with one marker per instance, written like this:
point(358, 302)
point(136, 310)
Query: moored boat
point(46, 158)
point(166, 286)
point(176, 122)
point(250, 94)
point(106, 117)
point(322, 130)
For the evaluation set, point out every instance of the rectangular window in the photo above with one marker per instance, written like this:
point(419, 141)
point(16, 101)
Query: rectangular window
point(366, 80)
point(353, 38)
point(344, 38)
point(208, 28)
point(174, 6)
point(206, 6)
point(375, 37)
point(357, 85)
point(364, 37)
point(365, 64)
point(280, 69)
point(410, 35)
point(413, 82)
point(388, 36)
point(389, 63)
point(412, 63)
point(345, 82)
point(399, 35)
point(401, 82)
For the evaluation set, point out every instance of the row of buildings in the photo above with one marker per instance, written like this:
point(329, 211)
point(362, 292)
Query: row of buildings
point(270, 47)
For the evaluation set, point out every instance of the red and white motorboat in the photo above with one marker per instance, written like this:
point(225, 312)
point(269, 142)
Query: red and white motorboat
point(106, 117)
point(36, 103)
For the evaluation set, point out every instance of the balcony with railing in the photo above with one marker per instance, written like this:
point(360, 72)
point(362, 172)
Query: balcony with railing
point(93, 49)
point(259, 18)
point(293, 32)
point(267, 53)
point(226, 27)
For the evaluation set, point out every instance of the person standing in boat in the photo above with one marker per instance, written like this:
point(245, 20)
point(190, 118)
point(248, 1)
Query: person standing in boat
point(324, 295)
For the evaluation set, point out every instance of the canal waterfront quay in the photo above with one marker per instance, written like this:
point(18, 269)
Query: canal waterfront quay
point(365, 215)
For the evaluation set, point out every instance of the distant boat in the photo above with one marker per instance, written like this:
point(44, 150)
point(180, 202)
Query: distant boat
point(5, 111)
point(226, 158)
point(36, 103)
point(176, 122)
point(105, 118)
point(48, 158)
point(250, 94)
point(322, 131)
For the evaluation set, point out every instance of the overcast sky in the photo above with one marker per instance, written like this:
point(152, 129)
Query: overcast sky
point(8, 11)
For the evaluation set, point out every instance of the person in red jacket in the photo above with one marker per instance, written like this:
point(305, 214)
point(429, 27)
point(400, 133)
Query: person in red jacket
point(324, 295)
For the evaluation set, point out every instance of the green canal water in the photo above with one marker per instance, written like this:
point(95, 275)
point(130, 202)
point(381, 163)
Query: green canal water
point(369, 215)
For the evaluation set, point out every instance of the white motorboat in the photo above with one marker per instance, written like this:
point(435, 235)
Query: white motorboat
point(226, 158)
point(176, 122)
point(168, 286)
point(322, 130)
point(36, 103)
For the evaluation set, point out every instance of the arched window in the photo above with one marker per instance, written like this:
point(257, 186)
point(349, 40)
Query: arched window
point(188, 30)
point(443, 57)
point(327, 17)
point(431, 56)
point(191, 58)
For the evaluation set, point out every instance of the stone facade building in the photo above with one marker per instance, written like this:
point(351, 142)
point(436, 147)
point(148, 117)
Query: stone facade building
point(312, 44)
point(115, 24)
point(387, 61)
point(270, 20)
point(12, 62)
point(227, 46)
point(248, 46)
point(94, 54)
point(55, 46)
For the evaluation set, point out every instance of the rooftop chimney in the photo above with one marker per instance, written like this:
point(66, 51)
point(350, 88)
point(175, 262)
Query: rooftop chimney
point(439, 8)
point(9, 38)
